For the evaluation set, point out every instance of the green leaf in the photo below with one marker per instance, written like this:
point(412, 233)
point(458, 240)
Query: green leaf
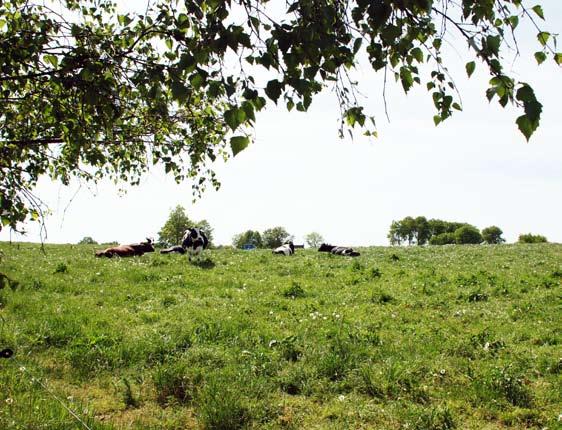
point(513, 21)
point(406, 78)
point(357, 45)
point(179, 91)
point(540, 57)
point(493, 44)
point(417, 53)
point(231, 118)
point(437, 119)
point(525, 126)
point(51, 59)
point(196, 80)
point(538, 10)
point(558, 58)
point(124, 20)
point(273, 89)
point(238, 143)
point(543, 37)
point(470, 67)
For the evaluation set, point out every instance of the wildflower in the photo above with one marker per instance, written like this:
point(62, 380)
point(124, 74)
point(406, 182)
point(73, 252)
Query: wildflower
point(9, 401)
point(341, 397)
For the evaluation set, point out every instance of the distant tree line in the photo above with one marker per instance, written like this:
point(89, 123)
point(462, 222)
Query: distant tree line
point(421, 231)
point(270, 238)
point(409, 230)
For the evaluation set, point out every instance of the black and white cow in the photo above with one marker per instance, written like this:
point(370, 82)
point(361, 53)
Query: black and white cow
point(194, 241)
point(338, 250)
point(286, 249)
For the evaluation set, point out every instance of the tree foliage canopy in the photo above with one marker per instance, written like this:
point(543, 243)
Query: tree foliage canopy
point(177, 223)
point(274, 237)
point(88, 92)
point(492, 235)
point(249, 237)
point(531, 238)
point(314, 239)
point(420, 231)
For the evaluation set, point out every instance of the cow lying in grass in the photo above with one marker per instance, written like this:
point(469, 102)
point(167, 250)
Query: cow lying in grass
point(127, 250)
point(338, 250)
point(194, 242)
point(286, 249)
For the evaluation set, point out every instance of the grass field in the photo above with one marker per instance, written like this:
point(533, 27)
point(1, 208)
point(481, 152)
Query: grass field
point(453, 337)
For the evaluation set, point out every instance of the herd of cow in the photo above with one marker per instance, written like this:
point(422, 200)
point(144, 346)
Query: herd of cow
point(194, 241)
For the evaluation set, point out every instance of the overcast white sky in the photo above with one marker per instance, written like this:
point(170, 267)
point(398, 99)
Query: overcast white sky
point(476, 167)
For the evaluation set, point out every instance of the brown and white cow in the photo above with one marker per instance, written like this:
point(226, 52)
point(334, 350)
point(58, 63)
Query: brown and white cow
point(127, 250)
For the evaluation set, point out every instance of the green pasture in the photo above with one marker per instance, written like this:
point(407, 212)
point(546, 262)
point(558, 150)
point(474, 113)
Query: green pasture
point(436, 338)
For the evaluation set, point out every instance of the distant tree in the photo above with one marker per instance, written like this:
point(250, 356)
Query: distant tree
point(532, 238)
point(492, 235)
point(394, 235)
point(314, 240)
point(443, 239)
point(249, 237)
point(467, 234)
point(274, 237)
point(87, 240)
point(174, 228)
point(409, 230)
point(422, 233)
point(436, 227)
point(178, 222)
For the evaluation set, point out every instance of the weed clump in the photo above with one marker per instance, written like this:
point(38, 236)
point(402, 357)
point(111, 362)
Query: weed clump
point(504, 382)
point(128, 398)
point(176, 383)
point(294, 291)
point(434, 419)
point(375, 273)
point(61, 268)
point(220, 406)
point(382, 297)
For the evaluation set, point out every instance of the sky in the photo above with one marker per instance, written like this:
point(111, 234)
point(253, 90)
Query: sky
point(476, 167)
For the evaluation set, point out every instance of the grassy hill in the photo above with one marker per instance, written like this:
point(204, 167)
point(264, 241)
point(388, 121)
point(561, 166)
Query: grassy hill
point(454, 337)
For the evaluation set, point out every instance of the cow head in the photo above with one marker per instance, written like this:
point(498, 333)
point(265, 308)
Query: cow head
point(145, 246)
point(325, 248)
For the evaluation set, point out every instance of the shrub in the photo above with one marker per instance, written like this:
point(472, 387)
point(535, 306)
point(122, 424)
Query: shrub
point(492, 235)
point(531, 238)
point(443, 239)
point(467, 234)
